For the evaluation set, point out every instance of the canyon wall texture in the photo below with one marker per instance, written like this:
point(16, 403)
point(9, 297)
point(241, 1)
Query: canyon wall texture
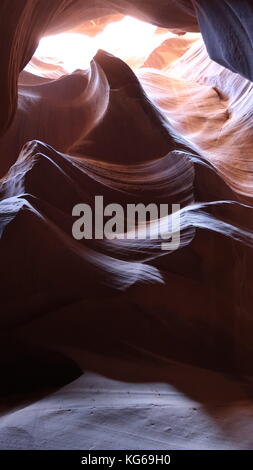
point(172, 125)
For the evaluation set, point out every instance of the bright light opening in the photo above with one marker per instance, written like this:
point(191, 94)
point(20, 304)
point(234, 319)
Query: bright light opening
point(70, 51)
point(130, 39)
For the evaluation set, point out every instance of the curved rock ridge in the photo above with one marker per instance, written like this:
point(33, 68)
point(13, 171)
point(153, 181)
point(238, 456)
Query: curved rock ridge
point(168, 127)
point(24, 23)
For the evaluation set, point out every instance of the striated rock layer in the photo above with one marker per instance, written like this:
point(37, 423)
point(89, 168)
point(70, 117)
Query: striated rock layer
point(167, 126)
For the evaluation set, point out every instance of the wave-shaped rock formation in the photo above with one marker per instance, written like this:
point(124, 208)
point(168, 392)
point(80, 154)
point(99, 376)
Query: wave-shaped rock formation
point(168, 124)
